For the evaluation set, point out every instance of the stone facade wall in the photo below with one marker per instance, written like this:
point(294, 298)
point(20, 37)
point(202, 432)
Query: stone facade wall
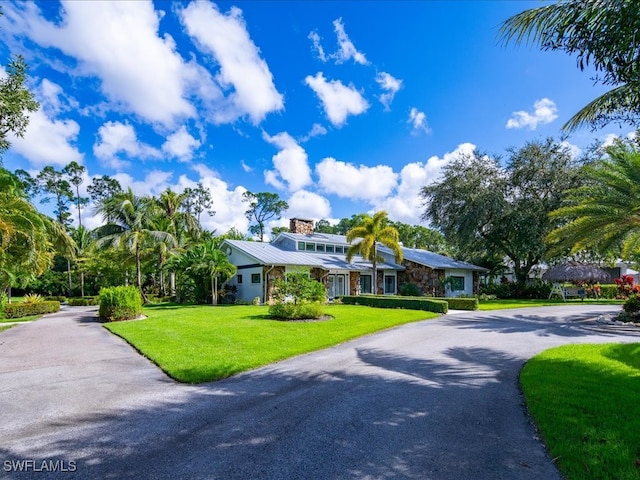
point(427, 279)
point(273, 273)
point(300, 225)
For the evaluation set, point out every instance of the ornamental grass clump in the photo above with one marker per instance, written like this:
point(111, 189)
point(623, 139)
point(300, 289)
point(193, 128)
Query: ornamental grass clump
point(119, 303)
point(297, 297)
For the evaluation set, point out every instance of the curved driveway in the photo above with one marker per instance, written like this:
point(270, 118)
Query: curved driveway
point(431, 400)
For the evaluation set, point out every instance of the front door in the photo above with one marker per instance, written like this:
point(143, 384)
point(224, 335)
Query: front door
point(336, 285)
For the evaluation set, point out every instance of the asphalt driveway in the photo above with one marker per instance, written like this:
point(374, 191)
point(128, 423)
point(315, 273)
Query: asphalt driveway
point(432, 400)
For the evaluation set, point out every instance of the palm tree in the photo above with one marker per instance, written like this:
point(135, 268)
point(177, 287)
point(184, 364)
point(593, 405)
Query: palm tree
point(373, 230)
point(603, 35)
point(83, 239)
point(214, 263)
point(605, 212)
point(130, 227)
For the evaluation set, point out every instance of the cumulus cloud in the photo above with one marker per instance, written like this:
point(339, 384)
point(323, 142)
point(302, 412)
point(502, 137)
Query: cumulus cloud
point(227, 202)
point(118, 43)
point(390, 85)
point(544, 111)
point(305, 204)
point(405, 205)
point(48, 140)
point(225, 36)
point(338, 100)
point(291, 165)
point(154, 182)
point(245, 167)
point(418, 121)
point(118, 139)
point(356, 182)
point(181, 145)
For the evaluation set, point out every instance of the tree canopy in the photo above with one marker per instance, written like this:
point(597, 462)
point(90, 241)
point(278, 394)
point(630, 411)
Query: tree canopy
point(262, 207)
point(487, 210)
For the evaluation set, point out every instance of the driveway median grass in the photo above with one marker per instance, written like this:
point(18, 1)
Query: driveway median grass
point(195, 344)
point(500, 304)
point(584, 400)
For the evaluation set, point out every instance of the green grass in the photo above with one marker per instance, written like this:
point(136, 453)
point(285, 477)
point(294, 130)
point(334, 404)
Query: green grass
point(19, 319)
point(196, 344)
point(585, 402)
point(499, 304)
point(5, 327)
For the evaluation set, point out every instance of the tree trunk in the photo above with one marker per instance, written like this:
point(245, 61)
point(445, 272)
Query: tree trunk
point(214, 287)
point(82, 284)
point(139, 275)
point(69, 275)
point(172, 283)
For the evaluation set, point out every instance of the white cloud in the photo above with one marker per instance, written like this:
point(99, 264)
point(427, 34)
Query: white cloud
point(181, 145)
point(48, 141)
point(406, 205)
point(316, 46)
point(346, 48)
point(418, 121)
point(338, 100)
point(227, 203)
point(355, 182)
point(390, 85)
point(118, 43)
point(116, 138)
point(225, 36)
point(305, 204)
point(154, 183)
point(290, 163)
point(575, 150)
point(317, 130)
point(544, 112)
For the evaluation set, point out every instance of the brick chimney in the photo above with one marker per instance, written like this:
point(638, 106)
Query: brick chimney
point(301, 225)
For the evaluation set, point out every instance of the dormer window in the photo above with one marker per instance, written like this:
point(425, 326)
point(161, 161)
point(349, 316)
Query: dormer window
point(320, 247)
point(300, 245)
point(330, 249)
point(339, 249)
point(310, 247)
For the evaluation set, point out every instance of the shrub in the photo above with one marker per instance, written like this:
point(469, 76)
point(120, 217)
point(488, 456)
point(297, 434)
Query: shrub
point(57, 298)
point(509, 290)
point(21, 309)
point(32, 298)
point(462, 303)
point(608, 291)
point(119, 303)
point(256, 301)
point(410, 290)
point(421, 303)
point(82, 301)
point(298, 287)
point(296, 311)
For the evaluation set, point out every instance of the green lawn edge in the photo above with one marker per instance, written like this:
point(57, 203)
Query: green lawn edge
point(501, 304)
point(196, 344)
point(584, 402)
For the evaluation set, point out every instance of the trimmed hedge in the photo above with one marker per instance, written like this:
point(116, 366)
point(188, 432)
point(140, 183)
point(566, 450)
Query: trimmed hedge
point(411, 303)
point(83, 301)
point(608, 290)
point(467, 303)
point(119, 303)
point(19, 309)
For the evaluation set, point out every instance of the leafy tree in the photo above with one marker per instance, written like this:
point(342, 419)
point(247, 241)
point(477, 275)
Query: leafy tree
point(601, 33)
point(198, 200)
point(602, 214)
point(52, 184)
point(102, 188)
point(487, 210)
point(130, 226)
point(417, 236)
point(371, 231)
point(75, 175)
point(346, 224)
point(16, 101)
point(28, 183)
point(275, 231)
point(323, 226)
point(263, 206)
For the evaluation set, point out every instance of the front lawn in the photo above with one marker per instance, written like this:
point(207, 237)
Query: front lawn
point(500, 304)
point(584, 400)
point(19, 319)
point(195, 344)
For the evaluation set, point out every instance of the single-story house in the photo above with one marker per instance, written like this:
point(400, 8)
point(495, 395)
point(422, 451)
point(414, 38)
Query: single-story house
point(323, 257)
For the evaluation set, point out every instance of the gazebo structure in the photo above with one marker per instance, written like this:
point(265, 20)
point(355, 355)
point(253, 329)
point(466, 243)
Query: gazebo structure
point(575, 273)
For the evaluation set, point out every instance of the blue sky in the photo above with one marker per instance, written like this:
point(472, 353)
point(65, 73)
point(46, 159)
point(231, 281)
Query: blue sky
point(339, 107)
